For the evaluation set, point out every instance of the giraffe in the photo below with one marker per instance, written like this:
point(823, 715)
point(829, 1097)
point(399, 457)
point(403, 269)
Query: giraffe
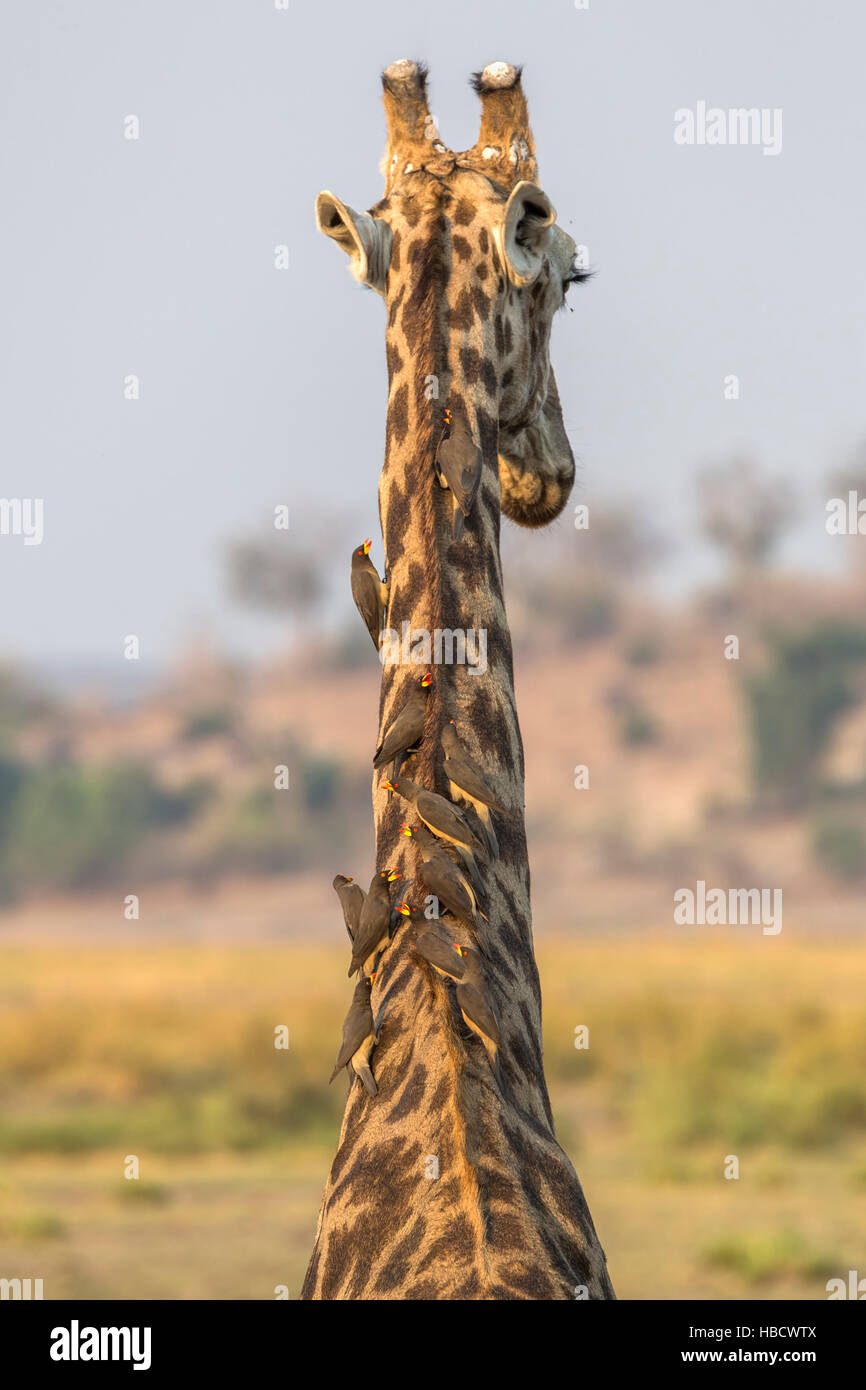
point(448, 1184)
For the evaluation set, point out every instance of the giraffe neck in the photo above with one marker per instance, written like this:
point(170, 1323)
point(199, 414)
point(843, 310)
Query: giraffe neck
point(443, 1186)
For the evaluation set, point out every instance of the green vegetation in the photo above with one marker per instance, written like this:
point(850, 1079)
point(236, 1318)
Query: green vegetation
point(70, 826)
point(644, 649)
point(840, 847)
point(168, 1053)
point(214, 721)
point(793, 705)
point(766, 1255)
point(637, 727)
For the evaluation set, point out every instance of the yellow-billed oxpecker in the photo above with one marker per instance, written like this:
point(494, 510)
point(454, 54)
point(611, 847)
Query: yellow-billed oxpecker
point(404, 733)
point(359, 1037)
point(351, 896)
point(445, 820)
point(369, 592)
point(464, 966)
point(445, 879)
point(467, 780)
point(458, 466)
point(374, 923)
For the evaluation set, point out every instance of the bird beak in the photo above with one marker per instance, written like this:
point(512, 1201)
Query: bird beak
point(367, 544)
point(394, 875)
point(427, 680)
point(387, 787)
point(406, 830)
point(404, 909)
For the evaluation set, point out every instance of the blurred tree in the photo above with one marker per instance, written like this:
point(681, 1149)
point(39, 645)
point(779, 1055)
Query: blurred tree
point(71, 826)
point(793, 705)
point(744, 513)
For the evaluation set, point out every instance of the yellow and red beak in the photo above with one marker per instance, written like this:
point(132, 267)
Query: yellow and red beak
point(387, 787)
point(407, 831)
point(405, 909)
point(393, 875)
point(426, 680)
point(367, 544)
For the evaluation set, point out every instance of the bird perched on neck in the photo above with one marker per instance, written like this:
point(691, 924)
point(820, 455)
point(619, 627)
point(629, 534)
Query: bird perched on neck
point(466, 779)
point(445, 879)
point(403, 735)
point(374, 922)
point(351, 896)
point(369, 591)
point(463, 965)
point(458, 465)
point(359, 1037)
point(444, 819)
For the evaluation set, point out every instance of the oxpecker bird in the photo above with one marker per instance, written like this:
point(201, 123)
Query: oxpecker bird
point(464, 966)
point(359, 1037)
point(467, 780)
point(374, 922)
point(369, 591)
point(444, 819)
point(458, 466)
point(404, 733)
point(444, 955)
point(351, 896)
point(445, 879)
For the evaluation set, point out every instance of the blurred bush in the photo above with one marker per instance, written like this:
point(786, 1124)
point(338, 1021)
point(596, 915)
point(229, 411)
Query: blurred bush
point(793, 704)
point(72, 826)
point(840, 847)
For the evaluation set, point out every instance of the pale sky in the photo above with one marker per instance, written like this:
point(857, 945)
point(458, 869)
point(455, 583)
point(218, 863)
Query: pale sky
point(259, 386)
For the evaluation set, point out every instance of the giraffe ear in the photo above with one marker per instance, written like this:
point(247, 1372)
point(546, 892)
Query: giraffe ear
point(365, 239)
point(525, 231)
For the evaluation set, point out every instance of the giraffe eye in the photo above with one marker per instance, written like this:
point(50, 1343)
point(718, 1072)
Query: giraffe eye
point(576, 275)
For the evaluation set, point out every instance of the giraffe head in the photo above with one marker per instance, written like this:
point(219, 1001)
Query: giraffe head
point(466, 251)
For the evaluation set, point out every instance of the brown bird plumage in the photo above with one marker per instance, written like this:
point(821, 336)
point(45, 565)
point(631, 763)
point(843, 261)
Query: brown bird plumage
point(374, 922)
point(467, 780)
point(351, 896)
point(464, 966)
point(445, 820)
point(445, 879)
point(406, 729)
point(458, 465)
point(359, 1037)
point(369, 592)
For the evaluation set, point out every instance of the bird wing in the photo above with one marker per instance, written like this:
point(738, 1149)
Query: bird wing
point(459, 460)
point(351, 898)
point(448, 888)
point(465, 775)
point(478, 1007)
point(373, 925)
point(440, 954)
point(357, 1026)
point(405, 730)
point(444, 816)
point(365, 592)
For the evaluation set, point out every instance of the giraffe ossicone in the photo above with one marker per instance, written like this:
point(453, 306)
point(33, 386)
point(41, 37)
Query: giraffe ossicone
point(465, 251)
